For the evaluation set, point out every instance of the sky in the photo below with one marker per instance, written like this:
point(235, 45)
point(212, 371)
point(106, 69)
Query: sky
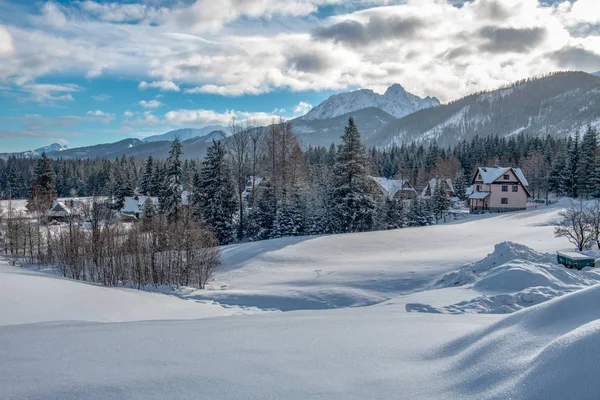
point(91, 71)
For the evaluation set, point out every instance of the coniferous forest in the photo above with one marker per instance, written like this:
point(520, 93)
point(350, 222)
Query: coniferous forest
point(260, 183)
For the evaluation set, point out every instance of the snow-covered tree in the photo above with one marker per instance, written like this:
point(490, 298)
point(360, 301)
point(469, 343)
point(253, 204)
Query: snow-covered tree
point(42, 191)
point(213, 200)
point(146, 184)
point(440, 202)
point(354, 207)
point(170, 198)
point(589, 163)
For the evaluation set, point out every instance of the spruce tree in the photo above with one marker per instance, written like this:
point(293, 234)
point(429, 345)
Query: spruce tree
point(571, 172)
point(440, 202)
point(42, 191)
point(213, 201)
point(146, 184)
point(589, 156)
point(14, 187)
point(170, 198)
point(354, 207)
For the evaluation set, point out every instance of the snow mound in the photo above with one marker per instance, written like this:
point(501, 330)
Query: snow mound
point(549, 351)
point(511, 278)
point(503, 253)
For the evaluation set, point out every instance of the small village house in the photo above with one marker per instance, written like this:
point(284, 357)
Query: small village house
point(394, 188)
point(63, 210)
point(498, 190)
point(432, 185)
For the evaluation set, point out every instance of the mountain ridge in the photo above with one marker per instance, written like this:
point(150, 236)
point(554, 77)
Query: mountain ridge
point(396, 101)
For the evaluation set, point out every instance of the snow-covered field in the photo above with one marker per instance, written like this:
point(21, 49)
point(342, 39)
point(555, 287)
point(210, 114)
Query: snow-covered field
point(413, 313)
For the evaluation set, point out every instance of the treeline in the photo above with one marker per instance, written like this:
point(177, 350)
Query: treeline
point(168, 247)
point(260, 184)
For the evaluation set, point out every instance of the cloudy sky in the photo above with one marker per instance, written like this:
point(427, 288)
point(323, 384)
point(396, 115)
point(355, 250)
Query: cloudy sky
point(90, 71)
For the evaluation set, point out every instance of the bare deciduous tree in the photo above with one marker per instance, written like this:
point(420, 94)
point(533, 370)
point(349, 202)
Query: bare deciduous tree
point(575, 225)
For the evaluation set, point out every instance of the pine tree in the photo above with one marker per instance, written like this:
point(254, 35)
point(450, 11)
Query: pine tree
point(460, 184)
point(262, 215)
point(42, 192)
point(354, 206)
point(170, 199)
point(146, 184)
point(440, 202)
point(158, 177)
point(14, 187)
point(394, 214)
point(571, 171)
point(588, 164)
point(124, 189)
point(213, 201)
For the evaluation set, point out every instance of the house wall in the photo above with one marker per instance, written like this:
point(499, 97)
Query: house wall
point(516, 200)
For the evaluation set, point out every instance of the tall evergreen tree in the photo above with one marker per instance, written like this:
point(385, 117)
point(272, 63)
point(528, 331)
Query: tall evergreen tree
point(588, 165)
point(440, 202)
point(146, 184)
point(570, 174)
point(354, 206)
point(42, 191)
point(214, 194)
point(170, 198)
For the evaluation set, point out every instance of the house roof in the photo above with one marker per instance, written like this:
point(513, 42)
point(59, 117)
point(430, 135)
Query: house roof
point(479, 195)
point(390, 187)
point(490, 175)
point(432, 185)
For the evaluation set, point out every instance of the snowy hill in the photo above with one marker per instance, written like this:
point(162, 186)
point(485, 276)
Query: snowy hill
point(323, 132)
point(354, 333)
point(395, 101)
point(552, 105)
point(54, 147)
point(185, 134)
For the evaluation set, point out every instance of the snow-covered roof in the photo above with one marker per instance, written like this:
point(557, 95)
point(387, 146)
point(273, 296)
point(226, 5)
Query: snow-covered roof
point(432, 186)
point(574, 256)
point(131, 205)
point(390, 187)
point(490, 175)
point(479, 195)
point(470, 190)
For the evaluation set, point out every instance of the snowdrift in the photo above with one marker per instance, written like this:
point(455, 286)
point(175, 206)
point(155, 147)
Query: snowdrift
point(549, 351)
point(511, 278)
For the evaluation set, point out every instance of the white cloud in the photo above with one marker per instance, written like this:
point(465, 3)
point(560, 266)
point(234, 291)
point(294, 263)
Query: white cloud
point(209, 117)
point(430, 46)
point(103, 116)
point(53, 16)
point(6, 42)
point(163, 86)
point(43, 93)
point(102, 97)
point(302, 108)
point(150, 104)
point(128, 114)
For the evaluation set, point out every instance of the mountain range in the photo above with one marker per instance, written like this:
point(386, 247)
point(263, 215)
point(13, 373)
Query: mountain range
point(555, 104)
point(396, 102)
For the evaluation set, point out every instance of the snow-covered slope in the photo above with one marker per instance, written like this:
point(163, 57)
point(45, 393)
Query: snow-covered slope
point(395, 101)
point(185, 134)
point(554, 105)
point(329, 347)
point(27, 296)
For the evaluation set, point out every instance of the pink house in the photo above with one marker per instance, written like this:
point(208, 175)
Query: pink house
point(498, 190)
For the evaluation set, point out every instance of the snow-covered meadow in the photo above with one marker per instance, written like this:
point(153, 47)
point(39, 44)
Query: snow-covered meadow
point(413, 313)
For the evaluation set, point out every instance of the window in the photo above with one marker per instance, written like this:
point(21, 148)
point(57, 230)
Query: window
point(504, 188)
point(504, 200)
point(479, 188)
point(506, 177)
point(515, 188)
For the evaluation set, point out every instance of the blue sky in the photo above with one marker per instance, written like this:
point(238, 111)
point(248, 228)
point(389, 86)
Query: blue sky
point(92, 71)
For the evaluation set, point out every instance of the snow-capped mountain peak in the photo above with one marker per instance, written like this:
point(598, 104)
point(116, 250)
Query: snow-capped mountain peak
point(395, 101)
